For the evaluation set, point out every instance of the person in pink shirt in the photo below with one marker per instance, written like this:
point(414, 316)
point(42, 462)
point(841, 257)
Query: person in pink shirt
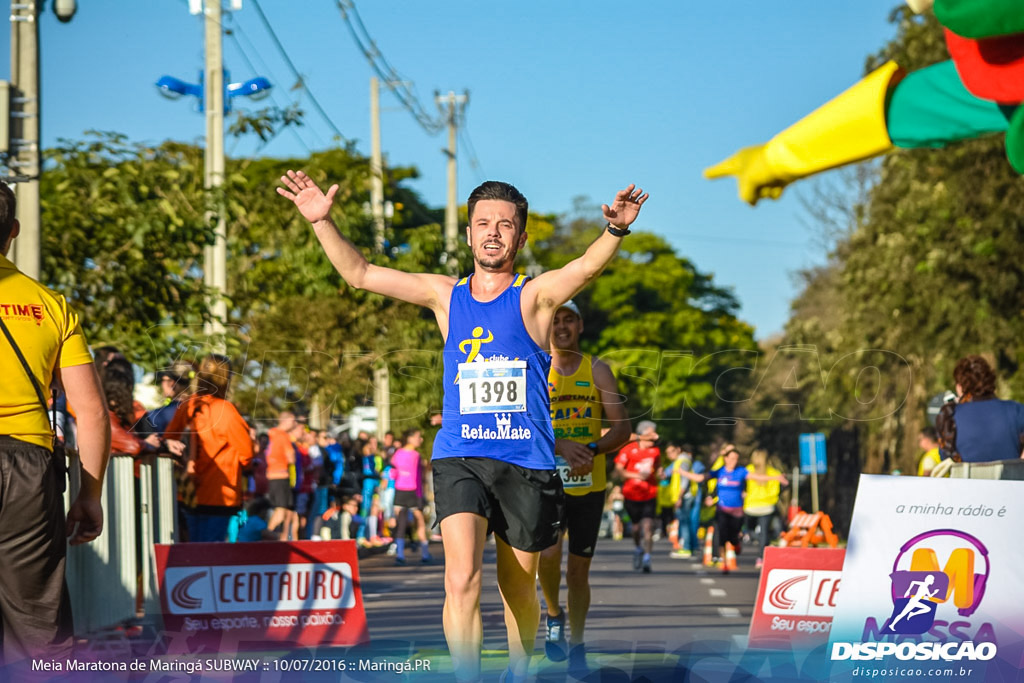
point(407, 470)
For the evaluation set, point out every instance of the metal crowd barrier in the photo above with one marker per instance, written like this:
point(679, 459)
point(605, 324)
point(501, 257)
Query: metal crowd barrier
point(113, 577)
point(1012, 470)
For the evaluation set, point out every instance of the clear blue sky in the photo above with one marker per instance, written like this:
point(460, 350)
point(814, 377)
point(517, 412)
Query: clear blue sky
point(566, 99)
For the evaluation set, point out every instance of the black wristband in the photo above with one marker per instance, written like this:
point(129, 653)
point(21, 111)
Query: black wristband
point(618, 232)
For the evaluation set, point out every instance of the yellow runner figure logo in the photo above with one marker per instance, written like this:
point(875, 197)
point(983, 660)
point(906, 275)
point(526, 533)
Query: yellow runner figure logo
point(474, 345)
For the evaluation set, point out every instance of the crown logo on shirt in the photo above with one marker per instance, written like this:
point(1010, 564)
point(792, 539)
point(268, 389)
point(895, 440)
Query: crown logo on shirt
point(503, 420)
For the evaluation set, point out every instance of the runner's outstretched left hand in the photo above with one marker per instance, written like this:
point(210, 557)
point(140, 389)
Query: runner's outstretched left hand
point(626, 207)
point(311, 202)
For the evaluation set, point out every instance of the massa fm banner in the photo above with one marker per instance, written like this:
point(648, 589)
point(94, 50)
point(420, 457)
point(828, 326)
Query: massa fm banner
point(932, 581)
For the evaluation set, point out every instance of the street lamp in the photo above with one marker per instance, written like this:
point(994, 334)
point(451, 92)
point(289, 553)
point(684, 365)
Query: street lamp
point(64, 9)
point(215, 256)
point(254, 88)
point(173, 88)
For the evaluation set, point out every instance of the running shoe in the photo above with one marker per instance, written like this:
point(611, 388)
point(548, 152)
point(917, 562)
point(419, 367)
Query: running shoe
point(680, 554)
point(427, 558)
point(399, 561)
point(759, 563)
point(507, 676)
point(646, 564)
point(578, 662)
point(638, 559)
point(554, 642)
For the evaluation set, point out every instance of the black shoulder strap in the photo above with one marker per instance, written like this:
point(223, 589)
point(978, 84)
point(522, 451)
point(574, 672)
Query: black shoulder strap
point(28, 371)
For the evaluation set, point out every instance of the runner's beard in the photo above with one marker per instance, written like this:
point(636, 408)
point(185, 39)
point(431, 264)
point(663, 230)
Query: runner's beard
point(494, 261)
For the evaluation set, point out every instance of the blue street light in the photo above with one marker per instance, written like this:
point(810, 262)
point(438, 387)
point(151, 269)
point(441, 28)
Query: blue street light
point(173, 88)
point(255, 88)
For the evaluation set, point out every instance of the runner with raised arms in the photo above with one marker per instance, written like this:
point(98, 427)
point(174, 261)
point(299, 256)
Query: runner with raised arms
point(493, 459)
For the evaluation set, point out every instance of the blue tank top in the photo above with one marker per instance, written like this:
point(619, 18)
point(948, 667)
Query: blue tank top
point(731, 486)
point(479, 332)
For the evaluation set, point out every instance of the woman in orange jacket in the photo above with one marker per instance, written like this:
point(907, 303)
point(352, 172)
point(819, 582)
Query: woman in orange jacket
point(219, 447)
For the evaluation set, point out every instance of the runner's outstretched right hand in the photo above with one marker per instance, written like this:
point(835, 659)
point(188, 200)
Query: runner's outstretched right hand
point(311, 202)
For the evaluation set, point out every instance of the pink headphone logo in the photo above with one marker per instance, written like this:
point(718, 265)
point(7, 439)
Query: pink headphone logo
point(963, 566)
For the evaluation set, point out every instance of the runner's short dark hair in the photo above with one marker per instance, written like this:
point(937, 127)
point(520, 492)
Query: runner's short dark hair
point(506, 192)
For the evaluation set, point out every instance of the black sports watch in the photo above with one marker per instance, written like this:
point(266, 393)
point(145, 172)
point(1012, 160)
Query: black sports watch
point(593, 447)
point(618, 232)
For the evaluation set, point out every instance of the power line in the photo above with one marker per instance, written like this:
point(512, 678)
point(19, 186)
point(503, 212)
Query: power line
point(234, 34)
point(474, 162)
point(295, 71)
point(272, 97)
point(236, 26)
point(398, 85)
point(467, 143)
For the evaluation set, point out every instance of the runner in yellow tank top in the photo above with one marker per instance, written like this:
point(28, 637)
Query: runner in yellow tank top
point(576, 411)
point(582, 391)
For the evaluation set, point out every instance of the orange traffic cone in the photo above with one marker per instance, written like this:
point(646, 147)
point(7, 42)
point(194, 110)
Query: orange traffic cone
point(709, 547)
point(729, 561)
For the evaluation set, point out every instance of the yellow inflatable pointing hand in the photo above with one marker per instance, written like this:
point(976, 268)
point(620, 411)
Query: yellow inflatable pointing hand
point(756, 178)
point(848, 128)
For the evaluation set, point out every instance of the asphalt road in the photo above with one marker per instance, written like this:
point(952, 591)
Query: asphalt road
point(680, 618)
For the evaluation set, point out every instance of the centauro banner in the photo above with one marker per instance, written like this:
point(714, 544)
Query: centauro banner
point(932, 576)
point(238, 596)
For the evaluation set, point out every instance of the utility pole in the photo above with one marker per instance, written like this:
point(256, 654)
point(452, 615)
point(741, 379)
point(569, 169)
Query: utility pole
point(382, 399)
point(215, 263)
point(381, 375)
point(24, 132)
point(376, 168)
point(455, 105)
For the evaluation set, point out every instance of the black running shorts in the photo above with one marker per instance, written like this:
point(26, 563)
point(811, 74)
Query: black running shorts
point(582, 520)
point(640, 509)
point(522, 506)
point(730, 528)
point(408, 499)
point(279, 493)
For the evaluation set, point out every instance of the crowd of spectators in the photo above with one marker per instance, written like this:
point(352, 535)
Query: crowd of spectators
point(239, 481)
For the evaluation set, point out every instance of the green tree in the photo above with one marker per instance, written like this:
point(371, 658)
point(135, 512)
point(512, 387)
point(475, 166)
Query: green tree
point(123, 234)
point(670, 334)
point(316, 338)
point(926, 270)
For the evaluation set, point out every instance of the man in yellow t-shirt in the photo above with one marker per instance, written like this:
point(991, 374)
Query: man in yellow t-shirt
point(38, 324)
point(928, 440)
point(583, 390)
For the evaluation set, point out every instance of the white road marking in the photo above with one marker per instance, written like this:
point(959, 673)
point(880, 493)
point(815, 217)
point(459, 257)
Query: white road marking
point(728, 612)
point(707, 582)
point(717, 592)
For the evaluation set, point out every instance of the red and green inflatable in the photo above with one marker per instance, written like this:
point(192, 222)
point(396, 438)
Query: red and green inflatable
point(976, 93)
